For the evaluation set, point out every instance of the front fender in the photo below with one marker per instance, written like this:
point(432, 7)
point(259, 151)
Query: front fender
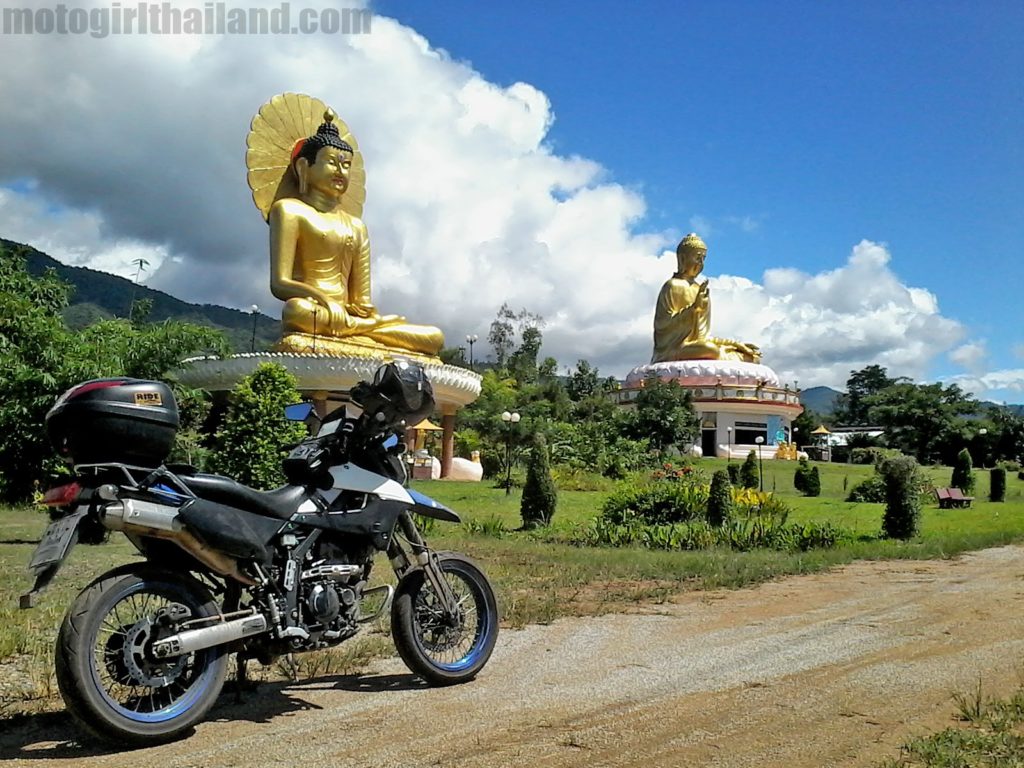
point(426, 506)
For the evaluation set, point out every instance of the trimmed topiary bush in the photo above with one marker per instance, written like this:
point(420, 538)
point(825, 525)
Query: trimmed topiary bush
point(963, 475)
point(800, 475)
point(748, 472)
point(719, 499)
point(902, 498)
point(734, 473)
point(997, 484)
point(812, 483)
point(539, 493)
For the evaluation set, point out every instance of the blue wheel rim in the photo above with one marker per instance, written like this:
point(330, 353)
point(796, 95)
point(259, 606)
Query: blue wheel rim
point(150, 710)
point(449, 642)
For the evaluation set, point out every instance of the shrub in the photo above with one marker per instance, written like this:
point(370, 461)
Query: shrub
point(734, 473)
point(670, 470)
point(493, 463)
point(1020, 475)
point(491, 526)
point(569, 478)
point(871, 490)
point(872, 455)
point(251, 441)
point(1010, 465)
point(902, 498)
point(739, 534)
point(663, 501)
point(539, 494)
point(963, 476)
point(750, 502)
point(812, 483)
point(800, 475)
point(749, 477)
point(719, 499)
point(997, 484)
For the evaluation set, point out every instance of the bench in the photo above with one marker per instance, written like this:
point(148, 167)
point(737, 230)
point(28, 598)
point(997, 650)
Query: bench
point(952, 497)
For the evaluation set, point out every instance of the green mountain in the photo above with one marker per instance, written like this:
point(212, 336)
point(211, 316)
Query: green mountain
point(99, 295)
point(821, 400)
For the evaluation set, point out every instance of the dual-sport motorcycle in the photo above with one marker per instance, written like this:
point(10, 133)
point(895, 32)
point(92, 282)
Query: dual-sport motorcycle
point(142, 653)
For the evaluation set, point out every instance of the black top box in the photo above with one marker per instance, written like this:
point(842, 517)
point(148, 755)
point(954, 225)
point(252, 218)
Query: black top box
point(107, 421)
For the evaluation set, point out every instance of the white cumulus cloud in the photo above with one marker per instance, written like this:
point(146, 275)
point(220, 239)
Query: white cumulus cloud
point(971, 356)
point(991, 385)
point(135, 149)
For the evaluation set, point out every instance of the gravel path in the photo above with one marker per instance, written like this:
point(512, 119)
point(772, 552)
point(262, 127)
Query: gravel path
point(831, 669)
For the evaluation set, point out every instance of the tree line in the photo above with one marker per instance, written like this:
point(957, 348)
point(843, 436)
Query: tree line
point(41, 356)
point(931, 422)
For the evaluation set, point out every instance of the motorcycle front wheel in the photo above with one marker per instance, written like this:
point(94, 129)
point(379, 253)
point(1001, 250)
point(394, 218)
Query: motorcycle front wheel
point(110, 681)
point(445, 647)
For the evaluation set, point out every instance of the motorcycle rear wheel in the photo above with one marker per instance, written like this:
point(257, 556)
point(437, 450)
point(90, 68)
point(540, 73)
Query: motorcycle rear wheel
point(110, 683)
point(444, 649)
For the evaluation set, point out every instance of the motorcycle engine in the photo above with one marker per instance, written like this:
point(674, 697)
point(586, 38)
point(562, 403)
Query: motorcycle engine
point(324, 603)
point(330, 609)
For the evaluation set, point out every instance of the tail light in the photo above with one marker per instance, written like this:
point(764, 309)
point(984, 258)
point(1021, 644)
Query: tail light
point(88, 386)
point(62, 495)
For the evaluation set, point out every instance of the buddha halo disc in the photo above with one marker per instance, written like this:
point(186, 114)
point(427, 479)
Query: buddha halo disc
point(284, 120)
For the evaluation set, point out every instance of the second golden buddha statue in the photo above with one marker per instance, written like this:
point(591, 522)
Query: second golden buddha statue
point(682, 316)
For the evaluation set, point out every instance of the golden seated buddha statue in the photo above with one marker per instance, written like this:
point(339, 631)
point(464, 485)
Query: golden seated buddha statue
point(319, 246)
point(682, 316)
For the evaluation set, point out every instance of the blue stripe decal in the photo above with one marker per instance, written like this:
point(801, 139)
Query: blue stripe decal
point(426, 501)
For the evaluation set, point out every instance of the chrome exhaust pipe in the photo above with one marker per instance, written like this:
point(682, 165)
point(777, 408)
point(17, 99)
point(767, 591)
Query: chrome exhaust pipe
point(160, 521)
point(128, 515)
point(206, 637)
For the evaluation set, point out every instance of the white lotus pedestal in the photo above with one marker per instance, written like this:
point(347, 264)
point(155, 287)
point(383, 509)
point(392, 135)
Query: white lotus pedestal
point(326, 380)
point(736, 402)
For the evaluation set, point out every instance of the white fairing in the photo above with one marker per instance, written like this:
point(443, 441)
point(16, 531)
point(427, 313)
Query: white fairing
point(351, 478)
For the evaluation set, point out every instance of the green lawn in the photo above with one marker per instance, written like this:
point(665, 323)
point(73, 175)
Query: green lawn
point(537, 578)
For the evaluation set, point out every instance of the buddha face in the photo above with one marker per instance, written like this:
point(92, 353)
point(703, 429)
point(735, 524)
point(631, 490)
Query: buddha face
point(329, 174)
point(691, 262)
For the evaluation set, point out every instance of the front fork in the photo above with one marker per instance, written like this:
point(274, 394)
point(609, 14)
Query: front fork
point(422, 557)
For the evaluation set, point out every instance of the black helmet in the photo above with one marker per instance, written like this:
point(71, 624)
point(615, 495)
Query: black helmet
point(400, 392)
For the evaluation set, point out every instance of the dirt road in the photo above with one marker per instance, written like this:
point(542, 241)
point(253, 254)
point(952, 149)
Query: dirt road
point(833, 669)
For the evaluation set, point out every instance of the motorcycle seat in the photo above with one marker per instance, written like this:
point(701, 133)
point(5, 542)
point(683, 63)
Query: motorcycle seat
point(281, 503)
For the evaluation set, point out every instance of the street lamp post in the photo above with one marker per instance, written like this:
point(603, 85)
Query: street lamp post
point(728, 458)
point(471, 339)
point(509, 419)
point(252, 343)
point(760, 469)
point(981, 446)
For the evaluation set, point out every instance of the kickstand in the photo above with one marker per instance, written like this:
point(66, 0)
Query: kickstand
point(242, 681)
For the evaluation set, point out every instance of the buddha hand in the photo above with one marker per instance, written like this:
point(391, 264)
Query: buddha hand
point(364, 310)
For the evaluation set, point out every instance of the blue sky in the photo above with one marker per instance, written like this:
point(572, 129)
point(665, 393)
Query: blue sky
point(855, 167)
point(814, 123)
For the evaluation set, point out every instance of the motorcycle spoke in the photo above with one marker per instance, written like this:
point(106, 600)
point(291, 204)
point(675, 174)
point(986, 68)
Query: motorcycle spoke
point(118, 669)
point(448, 637)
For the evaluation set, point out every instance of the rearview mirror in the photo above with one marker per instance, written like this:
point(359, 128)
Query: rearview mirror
point(298, 411)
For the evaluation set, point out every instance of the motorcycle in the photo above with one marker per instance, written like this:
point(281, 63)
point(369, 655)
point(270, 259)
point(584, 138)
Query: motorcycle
point(142, 653)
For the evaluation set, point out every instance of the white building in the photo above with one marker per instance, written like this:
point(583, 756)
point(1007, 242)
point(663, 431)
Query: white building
point(736, 402)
